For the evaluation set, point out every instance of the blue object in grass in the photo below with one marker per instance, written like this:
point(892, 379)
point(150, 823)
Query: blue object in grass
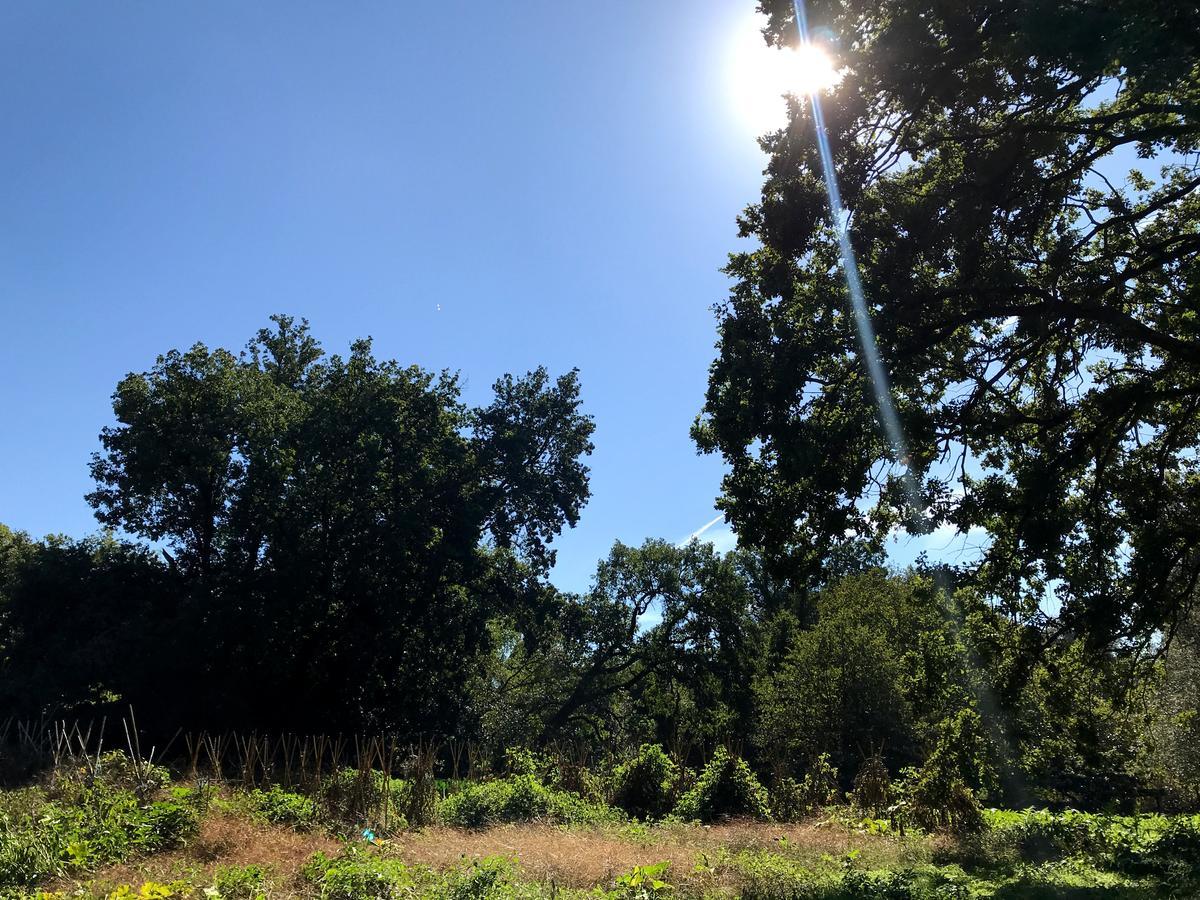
point(368, 835)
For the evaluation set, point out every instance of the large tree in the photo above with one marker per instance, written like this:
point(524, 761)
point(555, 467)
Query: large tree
point(344, 527)
point(1020, 182)
point(661, 646)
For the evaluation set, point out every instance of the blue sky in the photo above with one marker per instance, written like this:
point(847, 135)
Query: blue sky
point(479, 187)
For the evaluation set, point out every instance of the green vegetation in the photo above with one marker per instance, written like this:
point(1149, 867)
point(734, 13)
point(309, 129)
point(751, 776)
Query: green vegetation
point(324, 579)
point(645, 786)
point(79, 836)
point(519, 798)
point(726, 788)
point(78, 826)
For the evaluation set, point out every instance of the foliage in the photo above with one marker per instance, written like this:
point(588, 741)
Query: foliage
point(518, 798)
point(338, 531)
point(361, 875)
point(282, 807)
point(644, 883)
point(935, 799)
point(90, 826)
point(725, 788)
point(644, 786)
point(1171, 750)
point(791, 800)
point(872, 786)
point(1033, 302)
point(239, 883)
point(882, 664)
point(578, 672)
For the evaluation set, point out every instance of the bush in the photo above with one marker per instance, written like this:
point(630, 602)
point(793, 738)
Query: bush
point(872, 786)
point(518, 798)
point(353, 797)
point(725, 788)
point(166, 825)
point(356, 875)
point(1173, 856)
point(361, 875)
point(787, 800)
point(116, 771)
point(239, 883)
point(101, 826)
point(645, 785)
point(936, 800)
point(281, 807)
point(820, 785)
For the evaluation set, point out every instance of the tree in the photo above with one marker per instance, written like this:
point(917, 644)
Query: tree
point(882, 666)
point(662, 640)
point(83, 624)
point(328, 518)
point(533, 441)
point(1174, 724)
point(1036, 306)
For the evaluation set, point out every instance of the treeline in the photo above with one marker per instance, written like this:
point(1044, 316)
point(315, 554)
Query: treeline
point(322, 544)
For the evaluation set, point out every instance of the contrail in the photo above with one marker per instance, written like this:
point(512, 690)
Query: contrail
point(699, 531)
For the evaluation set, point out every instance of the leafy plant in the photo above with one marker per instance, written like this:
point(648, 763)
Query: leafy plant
point(643, 882)
point(239, 883)
point(725, 788)
point(282, 807)
point(518, 798)
point(644, 786)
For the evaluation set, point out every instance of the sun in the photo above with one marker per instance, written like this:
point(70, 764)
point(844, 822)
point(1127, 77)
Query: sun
point(758, 76)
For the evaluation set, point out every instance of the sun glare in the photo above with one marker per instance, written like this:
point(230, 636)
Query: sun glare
point(758, 76)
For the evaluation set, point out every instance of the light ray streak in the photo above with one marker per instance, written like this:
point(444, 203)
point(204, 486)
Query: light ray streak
point(840, 218)
point(880, 382)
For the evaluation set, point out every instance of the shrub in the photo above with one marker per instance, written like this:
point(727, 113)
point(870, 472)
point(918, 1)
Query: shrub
point(240, 883)
point(792, 800)
point(936, 800)
point(282, 807)
point(116, 771)
point(350, 796)
point(820, 785)
point(356, 875)
point(361, 875)
point(1173, 856)
point(787, 800)
point(518, 798)
point(166, 825)
point(872, 786)
point(353, 797)
point(725, 788)
point(102, 826)
point(645, 785)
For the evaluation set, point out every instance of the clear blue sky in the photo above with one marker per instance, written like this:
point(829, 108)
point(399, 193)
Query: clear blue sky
point(560, 178)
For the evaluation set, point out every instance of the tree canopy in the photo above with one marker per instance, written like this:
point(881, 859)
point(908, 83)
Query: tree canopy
point(343, 528)
point(1020, 181)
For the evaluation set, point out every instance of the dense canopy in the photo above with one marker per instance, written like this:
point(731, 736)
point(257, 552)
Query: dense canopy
point(1020, 182)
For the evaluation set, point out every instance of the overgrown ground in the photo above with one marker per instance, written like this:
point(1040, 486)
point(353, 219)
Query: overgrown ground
point(123, 833)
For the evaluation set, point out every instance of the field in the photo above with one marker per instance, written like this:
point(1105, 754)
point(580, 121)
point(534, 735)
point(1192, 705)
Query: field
point(117, 828)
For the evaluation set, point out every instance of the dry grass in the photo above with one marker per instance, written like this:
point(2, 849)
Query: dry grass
point(575, 857)
point(224, 840)
point(580, 857)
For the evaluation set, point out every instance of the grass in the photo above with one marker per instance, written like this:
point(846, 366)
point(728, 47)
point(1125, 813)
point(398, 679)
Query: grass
point(514, 838)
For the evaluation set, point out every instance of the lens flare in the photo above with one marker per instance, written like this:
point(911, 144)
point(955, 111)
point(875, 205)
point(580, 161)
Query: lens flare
point(758, 76)
point(809, 69)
